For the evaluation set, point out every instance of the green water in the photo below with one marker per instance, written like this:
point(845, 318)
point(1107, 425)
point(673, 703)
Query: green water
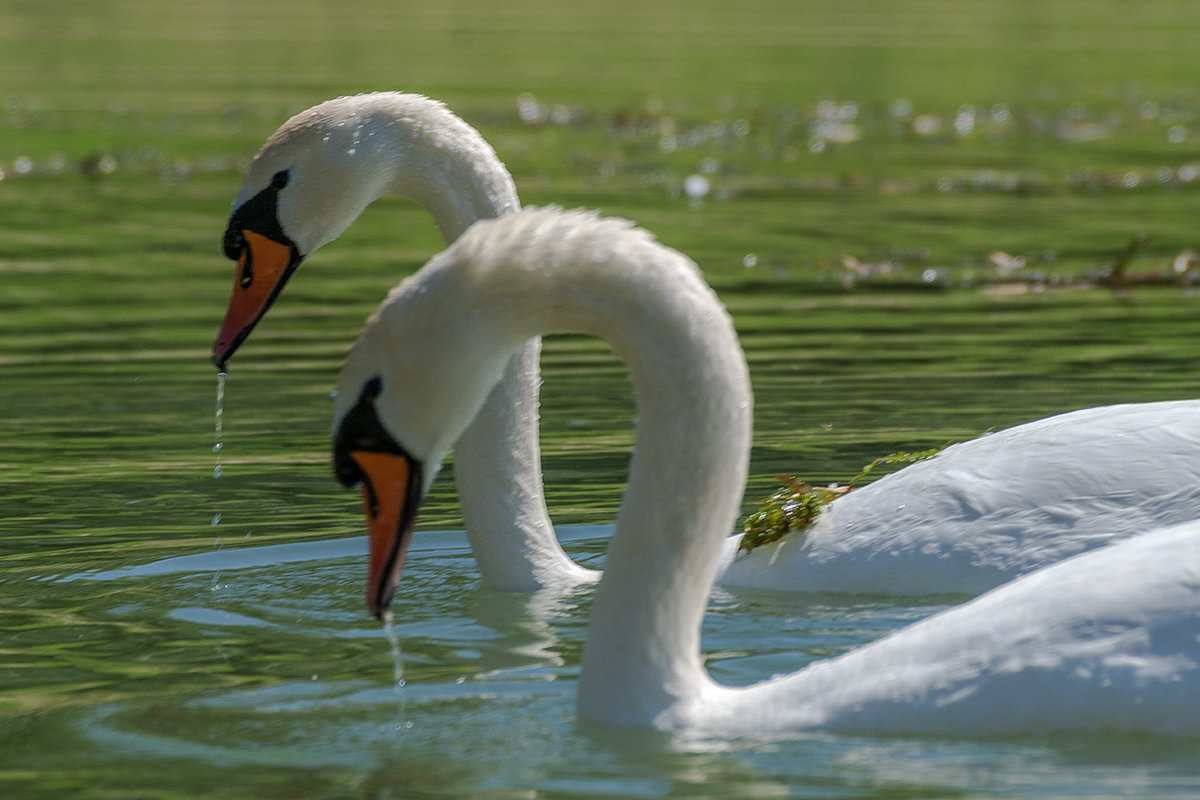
point(124, 129)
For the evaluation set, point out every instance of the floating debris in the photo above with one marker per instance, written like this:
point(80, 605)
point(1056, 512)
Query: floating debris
point(795, 506)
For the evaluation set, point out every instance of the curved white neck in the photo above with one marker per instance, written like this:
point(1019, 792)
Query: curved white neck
point(452, 171)
point(498, 471)
point(342, 155)
point(351, 151)
point(439, 161)
point(642, 656)
point(415, 147)
point(694, 408)
point(544, 271)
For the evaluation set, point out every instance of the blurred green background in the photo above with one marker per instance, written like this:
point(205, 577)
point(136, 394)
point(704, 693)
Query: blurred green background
point(911, 209)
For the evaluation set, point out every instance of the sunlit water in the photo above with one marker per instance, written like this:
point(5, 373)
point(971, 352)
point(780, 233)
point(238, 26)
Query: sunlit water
point(164, 634)
point(145, 652)
point(260, 661)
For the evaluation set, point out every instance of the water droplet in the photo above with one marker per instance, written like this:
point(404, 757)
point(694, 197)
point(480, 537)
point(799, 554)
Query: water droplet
point(218, 422)
point(389, 630)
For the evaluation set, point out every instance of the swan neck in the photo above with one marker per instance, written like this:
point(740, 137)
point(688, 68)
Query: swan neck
point(497, 466)
point(452, 171)
point(642, 659)
point(345, 154)
point(545, 271)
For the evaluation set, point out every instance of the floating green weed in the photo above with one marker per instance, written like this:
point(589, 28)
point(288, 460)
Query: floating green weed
point(796, 505)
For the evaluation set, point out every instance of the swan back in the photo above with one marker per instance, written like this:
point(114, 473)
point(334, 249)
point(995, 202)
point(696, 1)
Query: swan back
point(1106, 640)
point(987, 510)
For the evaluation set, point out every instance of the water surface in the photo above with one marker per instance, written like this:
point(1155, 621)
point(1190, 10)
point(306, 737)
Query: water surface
point(872, 175)
point(245, 671)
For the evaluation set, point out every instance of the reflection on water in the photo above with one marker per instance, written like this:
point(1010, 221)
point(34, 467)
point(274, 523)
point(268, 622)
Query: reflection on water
point(140, 646)
point(286, 678)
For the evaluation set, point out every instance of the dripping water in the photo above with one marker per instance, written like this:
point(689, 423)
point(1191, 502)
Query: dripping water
point(219, 414)
point(389, 630)
point(217, 444)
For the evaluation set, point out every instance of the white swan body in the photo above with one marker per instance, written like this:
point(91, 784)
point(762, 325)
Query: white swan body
point(334, 160)
point(1103, 641)
point(980, 513)
point(1109, 639)
point(987, 510)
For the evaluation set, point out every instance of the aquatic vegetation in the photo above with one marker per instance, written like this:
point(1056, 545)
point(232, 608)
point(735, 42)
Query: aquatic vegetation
point(796, 505)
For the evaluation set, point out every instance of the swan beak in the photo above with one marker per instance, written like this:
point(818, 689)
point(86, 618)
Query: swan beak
point(263, 267)
point(391, 489)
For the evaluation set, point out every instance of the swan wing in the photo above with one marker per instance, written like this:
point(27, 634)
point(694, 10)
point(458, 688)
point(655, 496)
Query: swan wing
point(1107, 640)
point(1005, 504)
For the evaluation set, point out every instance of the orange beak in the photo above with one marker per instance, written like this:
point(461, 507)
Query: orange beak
point(264, 266)
point(391, 488)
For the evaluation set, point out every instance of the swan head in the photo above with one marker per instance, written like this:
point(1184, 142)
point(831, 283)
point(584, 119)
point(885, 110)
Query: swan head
point(391, 479)
point(394, 478)
point(307, 184)
point(266, 257)
point(417, 376)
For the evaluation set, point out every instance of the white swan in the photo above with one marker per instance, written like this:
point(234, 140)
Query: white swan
point(1106, 640)
point(990, 509)
point(307, 184)
point(980, 513)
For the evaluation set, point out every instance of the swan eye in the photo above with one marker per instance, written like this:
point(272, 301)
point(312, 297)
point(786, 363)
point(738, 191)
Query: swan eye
point(235, 242)
point(279, 179)
point(349, 472)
